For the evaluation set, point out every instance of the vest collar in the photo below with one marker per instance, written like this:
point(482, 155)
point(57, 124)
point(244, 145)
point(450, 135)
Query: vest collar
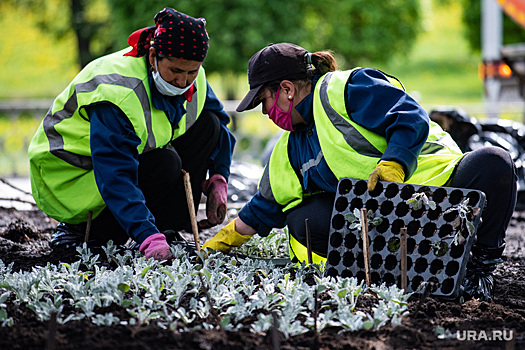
point(306, 108)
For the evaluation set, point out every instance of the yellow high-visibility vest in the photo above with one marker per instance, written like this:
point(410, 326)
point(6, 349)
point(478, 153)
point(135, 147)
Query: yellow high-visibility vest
point(61, 169)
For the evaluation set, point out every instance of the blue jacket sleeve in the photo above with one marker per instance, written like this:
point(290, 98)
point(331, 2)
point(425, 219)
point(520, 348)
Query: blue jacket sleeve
point(221, 158)
point(115, 163)
point(374, 103)
point(262, 215)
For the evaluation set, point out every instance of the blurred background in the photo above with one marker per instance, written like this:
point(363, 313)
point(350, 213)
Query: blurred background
point(446, 53)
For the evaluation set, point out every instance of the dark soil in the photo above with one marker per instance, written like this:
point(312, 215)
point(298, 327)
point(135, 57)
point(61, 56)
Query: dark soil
point(24, 237)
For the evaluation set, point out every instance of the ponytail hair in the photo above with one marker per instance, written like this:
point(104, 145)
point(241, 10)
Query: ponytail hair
point(323, 62)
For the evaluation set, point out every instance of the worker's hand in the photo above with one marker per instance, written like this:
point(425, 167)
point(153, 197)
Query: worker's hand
point(216, 189)
point(156, 247)
point(386, 171)
point(226, 238)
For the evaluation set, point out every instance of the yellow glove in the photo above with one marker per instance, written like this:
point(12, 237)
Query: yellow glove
point(386, 171)
point(226, 238)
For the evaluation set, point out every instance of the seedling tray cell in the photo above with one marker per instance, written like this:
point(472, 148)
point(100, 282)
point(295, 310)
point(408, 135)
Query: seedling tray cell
point(431, 254)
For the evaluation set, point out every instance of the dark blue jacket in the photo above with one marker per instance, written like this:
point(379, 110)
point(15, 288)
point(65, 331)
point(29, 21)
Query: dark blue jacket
point(372, 102)
point(115, 157)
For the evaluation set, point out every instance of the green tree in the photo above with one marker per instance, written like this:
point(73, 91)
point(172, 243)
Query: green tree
point(237, 29)
point(360, 31)
point(357, 31)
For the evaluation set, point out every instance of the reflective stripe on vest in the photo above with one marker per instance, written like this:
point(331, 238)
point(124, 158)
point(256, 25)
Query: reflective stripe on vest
point(62, 179)
point(195, 107)
point(56, 141)
point(355, 150)
point(349, 149)
point(312, 163)
point(350, 132)
point(136, 85)
point(279, 182)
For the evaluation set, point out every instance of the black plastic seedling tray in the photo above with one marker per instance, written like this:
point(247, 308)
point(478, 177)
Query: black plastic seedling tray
point(431, 255)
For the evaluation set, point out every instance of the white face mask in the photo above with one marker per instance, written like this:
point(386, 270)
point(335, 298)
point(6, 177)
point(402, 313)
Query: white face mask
point(164, 87)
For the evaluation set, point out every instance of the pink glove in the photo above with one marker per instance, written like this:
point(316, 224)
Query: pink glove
point(156, 247)
point(216, 189)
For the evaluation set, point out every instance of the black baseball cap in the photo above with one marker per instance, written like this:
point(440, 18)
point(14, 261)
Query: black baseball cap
point(274, 62)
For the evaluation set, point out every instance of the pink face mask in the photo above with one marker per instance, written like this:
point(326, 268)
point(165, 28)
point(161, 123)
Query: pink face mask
point(281, 118)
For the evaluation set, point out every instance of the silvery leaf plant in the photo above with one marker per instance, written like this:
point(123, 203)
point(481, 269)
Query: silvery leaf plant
point(212, 291)
point(5, 320)
point(273, 246)
point(463, 224)
point(354, 219)
point(419, 200)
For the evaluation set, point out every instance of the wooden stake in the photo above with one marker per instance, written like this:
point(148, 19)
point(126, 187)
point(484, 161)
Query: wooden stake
point(51, 332)
point(366, 244)
point(88, 225)
point(403, 258)
point(276, 339)
point(308, 242)
point(316, 312)
point(191, 209)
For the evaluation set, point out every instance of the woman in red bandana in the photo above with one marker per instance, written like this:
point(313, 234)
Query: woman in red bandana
point(113, 145)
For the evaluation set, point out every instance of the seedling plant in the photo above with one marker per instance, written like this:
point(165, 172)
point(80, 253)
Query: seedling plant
point(463, 223)
point(419, 200)
point(354, 220)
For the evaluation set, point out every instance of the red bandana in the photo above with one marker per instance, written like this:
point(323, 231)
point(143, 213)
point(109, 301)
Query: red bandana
point(175, 34)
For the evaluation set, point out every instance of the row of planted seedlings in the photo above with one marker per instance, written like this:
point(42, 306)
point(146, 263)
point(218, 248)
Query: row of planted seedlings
point(209, 290)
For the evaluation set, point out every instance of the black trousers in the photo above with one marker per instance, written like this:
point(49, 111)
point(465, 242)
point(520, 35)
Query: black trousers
point(488, 169)
point(161, 180)
point(492, 171)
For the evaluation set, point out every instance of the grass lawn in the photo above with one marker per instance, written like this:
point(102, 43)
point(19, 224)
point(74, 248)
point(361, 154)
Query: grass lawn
point(441, 69)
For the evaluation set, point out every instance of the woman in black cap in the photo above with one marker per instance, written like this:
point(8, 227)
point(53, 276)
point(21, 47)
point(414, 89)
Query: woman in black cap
point(112, 147)
point(361, 124)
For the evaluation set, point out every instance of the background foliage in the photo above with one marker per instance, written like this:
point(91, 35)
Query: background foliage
point(426, 43)
point(408, 38)
point(354, 29)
